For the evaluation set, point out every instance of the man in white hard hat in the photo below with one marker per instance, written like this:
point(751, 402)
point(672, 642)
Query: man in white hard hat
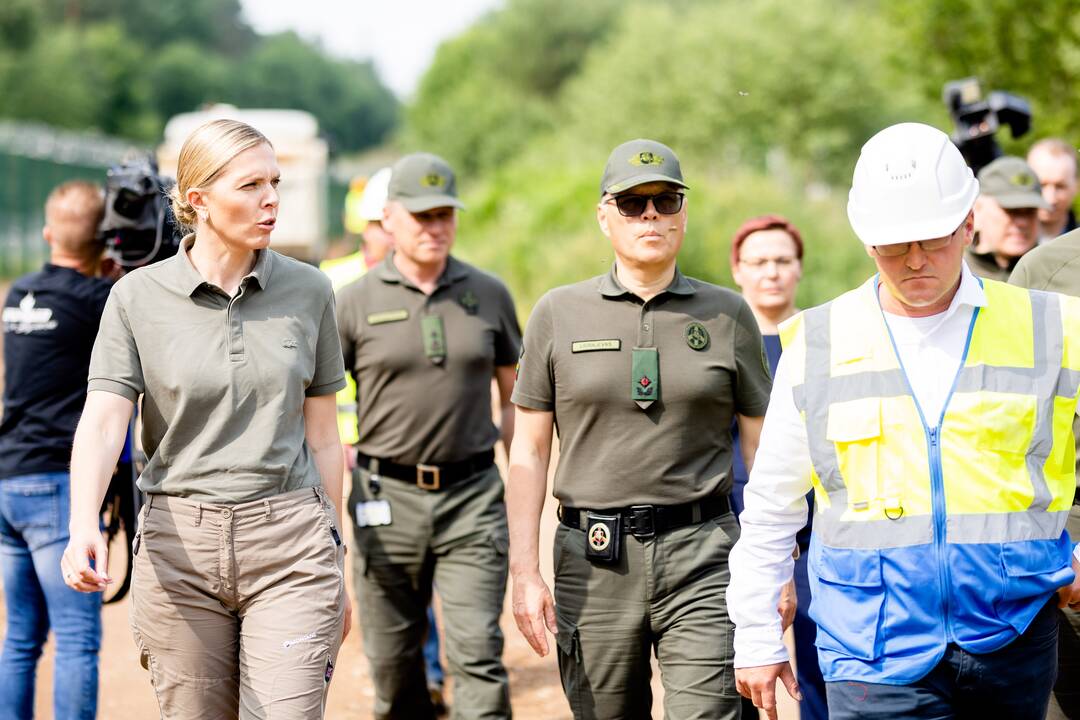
point(931, 413)
point(363, 216)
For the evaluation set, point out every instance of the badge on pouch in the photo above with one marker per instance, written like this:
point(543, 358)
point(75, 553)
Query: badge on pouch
point(434, 338)
point(602, 537)
point(645, 376)
point(372, 513)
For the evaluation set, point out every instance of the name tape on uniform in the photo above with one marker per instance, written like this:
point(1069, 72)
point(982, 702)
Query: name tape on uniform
point(373, 513)
point(388, 316)
point(594, 345)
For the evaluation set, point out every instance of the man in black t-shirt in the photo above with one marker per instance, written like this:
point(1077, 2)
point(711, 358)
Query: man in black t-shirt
point(50, 321)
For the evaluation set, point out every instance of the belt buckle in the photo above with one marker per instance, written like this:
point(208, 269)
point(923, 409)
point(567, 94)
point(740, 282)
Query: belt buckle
point(643, 521)
point(436, 477)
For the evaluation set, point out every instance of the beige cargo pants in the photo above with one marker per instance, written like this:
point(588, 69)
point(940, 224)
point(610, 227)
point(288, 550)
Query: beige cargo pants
point(237, 610)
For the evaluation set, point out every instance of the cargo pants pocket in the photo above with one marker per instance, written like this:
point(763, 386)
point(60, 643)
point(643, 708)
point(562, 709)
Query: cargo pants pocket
point(571, 668)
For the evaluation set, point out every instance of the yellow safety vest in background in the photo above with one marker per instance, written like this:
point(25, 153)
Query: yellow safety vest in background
point(341, 272)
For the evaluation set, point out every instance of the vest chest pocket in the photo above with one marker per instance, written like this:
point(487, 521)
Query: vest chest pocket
point(854, 428)
point(848, 601)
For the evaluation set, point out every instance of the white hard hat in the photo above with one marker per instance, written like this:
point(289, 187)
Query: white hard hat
point(374, 197)
point(911, 183)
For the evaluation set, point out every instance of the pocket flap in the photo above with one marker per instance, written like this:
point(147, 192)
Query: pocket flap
point(1034, 557)
point(844, 566)
point(854, 420)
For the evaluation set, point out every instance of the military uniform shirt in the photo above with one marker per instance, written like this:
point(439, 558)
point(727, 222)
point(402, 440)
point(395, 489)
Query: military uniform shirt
point(223, 379)
point(577, 363)
point(410, 409)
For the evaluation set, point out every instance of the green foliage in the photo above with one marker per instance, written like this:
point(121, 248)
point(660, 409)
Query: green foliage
point(126, 66)
point(491, 90)
point(347, 97)
point(1033, 51)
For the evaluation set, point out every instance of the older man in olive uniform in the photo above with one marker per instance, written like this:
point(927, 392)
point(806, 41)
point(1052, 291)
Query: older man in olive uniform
point(423, 334)
point(1006, 217)
point(644, 369)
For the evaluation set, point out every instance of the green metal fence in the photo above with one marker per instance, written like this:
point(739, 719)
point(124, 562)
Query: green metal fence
point(35, 158)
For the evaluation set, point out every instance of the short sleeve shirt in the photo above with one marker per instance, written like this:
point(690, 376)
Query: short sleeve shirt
point(223, 379)
point(50, 322)
point(411, 409)
point(577, 362)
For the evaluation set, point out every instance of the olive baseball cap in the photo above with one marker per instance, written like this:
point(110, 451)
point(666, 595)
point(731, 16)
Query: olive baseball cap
point(421, 182)
point(638, 162)
point(1013, 183)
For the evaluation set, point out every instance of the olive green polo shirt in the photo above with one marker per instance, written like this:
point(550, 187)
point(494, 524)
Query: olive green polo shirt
point(412, 409)
point(985, 266)
point(223, 379)
point(578, 363)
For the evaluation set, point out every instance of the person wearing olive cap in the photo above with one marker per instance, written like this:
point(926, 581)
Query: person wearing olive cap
point(931, 413)
point(424, 333)
point(644, 370)
point(1006, 217)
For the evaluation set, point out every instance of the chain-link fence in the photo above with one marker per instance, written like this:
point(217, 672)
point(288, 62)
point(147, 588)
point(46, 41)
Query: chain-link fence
point(36, 158)
point(33, 160)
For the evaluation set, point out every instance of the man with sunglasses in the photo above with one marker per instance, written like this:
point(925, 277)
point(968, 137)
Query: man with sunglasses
point(644, 369)
point(931, 413)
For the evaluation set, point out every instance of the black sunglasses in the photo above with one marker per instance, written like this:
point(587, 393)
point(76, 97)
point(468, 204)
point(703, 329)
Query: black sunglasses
point(666, 203)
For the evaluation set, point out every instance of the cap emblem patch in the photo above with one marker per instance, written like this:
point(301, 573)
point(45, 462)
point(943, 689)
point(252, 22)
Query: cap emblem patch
point(433, 180)
point(647, 158)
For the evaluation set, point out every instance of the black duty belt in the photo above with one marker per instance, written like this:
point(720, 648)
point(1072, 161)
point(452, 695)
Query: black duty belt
point(645, 521)
point(428, 477)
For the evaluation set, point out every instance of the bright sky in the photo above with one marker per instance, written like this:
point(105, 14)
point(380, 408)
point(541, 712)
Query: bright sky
point(399, 35)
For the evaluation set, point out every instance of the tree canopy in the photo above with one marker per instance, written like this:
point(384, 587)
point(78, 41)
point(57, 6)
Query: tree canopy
point(124, 67)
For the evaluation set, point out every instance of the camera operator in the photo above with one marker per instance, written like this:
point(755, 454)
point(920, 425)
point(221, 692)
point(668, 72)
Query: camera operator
point(1054, 161)
point(1006, 225)
point(50, 321)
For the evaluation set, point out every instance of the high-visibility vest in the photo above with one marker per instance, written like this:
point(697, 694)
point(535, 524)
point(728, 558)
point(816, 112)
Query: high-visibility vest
point(947, 531)
point(341, 272)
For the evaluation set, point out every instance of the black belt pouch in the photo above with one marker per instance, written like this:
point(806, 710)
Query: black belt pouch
point(603, 538)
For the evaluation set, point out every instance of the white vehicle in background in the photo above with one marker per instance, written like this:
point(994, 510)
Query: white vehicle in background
point(302, 156)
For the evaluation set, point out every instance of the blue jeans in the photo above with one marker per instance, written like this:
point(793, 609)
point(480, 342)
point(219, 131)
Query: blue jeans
point(34, 511)
point(1013, 682)
point(431, 651)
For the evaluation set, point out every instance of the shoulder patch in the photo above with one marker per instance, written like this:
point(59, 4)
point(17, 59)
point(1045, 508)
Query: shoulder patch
point(388, 316)
point(581, 346)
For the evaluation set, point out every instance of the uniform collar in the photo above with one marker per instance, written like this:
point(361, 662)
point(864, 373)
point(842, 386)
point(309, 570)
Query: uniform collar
point(387, 272)
point(190, 280)
point(610, 287)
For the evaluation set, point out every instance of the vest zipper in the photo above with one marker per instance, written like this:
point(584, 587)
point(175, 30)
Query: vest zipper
point(937, 492)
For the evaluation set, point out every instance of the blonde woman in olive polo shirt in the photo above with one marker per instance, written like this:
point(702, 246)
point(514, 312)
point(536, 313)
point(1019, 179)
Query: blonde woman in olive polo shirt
point(238, 601)
point(643, 369)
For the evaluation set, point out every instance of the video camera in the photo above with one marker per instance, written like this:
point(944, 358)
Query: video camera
point(139, 227)
point(975, 119)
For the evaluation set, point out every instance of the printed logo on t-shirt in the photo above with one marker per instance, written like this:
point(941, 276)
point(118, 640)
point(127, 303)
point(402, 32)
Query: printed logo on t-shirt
point(27, 317)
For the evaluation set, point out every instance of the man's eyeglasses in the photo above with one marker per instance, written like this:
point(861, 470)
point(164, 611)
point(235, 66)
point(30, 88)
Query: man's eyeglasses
point(666, 203)
point(902, 248)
